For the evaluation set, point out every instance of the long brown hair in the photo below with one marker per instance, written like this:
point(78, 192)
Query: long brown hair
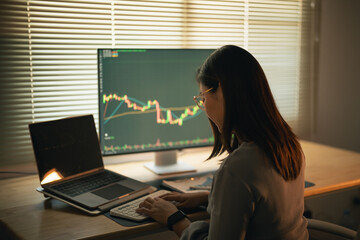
point(250, 110)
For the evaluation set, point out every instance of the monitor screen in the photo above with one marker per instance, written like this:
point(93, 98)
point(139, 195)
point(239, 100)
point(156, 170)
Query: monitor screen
point(146, 100)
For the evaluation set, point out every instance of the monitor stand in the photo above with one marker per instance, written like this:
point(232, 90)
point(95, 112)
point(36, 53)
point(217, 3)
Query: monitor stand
point(166, 163)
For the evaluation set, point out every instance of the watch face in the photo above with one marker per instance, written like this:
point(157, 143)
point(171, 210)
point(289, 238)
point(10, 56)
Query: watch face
point(182, 213)
point(174, 218)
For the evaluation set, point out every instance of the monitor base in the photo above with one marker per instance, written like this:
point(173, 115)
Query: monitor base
point(178, 167)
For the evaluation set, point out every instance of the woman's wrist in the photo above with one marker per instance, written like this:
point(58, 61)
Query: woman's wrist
point(205, 198)
point(180, 226)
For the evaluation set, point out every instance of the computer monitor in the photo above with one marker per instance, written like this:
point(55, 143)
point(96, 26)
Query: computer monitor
point(146, 104)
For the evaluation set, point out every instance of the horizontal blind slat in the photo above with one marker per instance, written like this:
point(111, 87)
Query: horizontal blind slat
point(48, 56)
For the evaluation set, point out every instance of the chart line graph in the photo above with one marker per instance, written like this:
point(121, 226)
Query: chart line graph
point(163, 115)
point(158, 144)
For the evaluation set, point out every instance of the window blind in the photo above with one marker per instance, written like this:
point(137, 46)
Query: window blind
point(49, 64)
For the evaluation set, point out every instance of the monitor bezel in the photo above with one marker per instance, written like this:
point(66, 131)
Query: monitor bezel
point(99, 103)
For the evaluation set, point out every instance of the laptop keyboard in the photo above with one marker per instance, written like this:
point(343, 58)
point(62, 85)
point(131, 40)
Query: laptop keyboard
point(82, 185)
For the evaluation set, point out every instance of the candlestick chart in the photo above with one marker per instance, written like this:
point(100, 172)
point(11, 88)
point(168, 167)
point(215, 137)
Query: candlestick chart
point(126, 105)
point(145, 100)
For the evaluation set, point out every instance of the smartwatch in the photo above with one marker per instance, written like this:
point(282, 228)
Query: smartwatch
point(174, 218)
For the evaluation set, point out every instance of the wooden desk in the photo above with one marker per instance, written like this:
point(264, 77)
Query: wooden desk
point(26, 214)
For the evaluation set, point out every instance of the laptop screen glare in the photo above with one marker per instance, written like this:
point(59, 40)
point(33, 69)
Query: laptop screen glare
point(51, 176)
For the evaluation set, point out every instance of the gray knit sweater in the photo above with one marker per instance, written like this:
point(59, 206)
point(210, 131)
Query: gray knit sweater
point(250, 200)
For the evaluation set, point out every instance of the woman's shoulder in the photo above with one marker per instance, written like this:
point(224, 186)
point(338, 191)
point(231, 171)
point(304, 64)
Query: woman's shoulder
point(243, 166)
point(247, 159)
point(247, 154)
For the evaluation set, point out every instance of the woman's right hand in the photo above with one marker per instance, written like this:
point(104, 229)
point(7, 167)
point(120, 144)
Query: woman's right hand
point(187, 200)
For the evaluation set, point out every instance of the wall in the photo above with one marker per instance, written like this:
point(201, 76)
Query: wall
point(337, 101)
point(337, 104)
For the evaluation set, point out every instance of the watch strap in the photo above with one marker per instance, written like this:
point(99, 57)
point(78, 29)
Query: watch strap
point(174, 218)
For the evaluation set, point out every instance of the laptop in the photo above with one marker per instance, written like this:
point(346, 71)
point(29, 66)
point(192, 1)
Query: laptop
point(71, 168)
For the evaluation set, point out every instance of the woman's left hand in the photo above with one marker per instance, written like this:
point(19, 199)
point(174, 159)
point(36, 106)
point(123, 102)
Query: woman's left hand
point(157, 208)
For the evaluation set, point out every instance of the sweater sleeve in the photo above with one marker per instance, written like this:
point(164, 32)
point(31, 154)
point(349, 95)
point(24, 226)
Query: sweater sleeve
point(231, 207)
point(197, 230)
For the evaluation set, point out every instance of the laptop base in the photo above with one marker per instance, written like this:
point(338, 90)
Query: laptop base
point(47, 194)
point(102, 208)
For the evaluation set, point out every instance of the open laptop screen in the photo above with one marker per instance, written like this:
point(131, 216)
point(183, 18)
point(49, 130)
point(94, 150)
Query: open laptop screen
point(65, 147)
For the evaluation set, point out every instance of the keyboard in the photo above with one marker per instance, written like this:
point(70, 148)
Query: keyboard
point(127, 210)
point(86, 184)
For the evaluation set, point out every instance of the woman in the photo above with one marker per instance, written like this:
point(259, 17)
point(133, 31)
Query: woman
point(257, 192)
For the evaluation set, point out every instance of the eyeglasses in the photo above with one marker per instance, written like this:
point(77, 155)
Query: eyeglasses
point(199, 99)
